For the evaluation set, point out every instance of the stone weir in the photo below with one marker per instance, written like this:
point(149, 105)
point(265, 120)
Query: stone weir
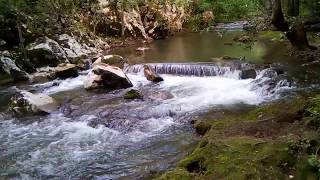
point(229, 70)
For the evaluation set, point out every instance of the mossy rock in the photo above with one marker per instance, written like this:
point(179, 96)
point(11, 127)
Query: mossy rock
point(133, 94)
point(202, 127)
point(276, 36)
point(113, 60)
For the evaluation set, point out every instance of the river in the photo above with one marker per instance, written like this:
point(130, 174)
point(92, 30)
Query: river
point(103, 136)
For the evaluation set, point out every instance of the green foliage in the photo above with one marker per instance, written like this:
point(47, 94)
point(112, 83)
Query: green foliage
point(312, 112)
point(310, 8)
point(229, 10)
point(42, 17)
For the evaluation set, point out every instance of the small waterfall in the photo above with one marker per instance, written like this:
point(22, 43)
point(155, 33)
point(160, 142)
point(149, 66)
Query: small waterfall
point(188, 69)
point(235, 26)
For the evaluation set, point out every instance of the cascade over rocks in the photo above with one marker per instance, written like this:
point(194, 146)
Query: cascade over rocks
point(104, 76)
point(26, 103)
point(9, 67)
point(248, 74)
point(150, 74)
point(272, 80)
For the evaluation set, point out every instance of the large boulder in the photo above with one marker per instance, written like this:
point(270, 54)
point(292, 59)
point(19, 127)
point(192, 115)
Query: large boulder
point(46, 52)
point(104, 76)
point(43, 75)
point(151, 75)
point(72, 48)
point(8, 66)
point(113, 60)
point(26, 103)
point(64, 71)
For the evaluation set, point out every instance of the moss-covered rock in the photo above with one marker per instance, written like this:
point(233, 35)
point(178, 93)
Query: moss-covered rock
point(276, 36)
point(113, 60)
point(202, 127)
point(133, 94)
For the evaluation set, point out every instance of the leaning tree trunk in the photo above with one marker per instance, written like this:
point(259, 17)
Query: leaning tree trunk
point(277, 17)
point(298, 36)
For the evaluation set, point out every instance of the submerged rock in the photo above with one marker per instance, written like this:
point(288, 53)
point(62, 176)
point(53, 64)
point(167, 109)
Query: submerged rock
point(142, 49)
point(160, 95)
point(151, 75)
point(242, 39)
point(64, 71)
point(8, 66)
point(26, 103)
point(133, 94)
point(108, 77)
point(113, 60)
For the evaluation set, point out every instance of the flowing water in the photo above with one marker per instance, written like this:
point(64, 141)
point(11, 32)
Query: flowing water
point(103, 136)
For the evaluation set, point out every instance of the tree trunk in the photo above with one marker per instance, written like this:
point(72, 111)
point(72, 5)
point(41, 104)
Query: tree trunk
point(123, 28)
point(277, 17)
point(21, 39)
point(268, 5)
point(293, 7)
point(298, 36)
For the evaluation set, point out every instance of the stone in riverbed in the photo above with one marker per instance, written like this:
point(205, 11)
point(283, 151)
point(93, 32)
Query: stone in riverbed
point(151, 75)
point(142, 49)
point(104, 76)
point(64, 71)
point(133, 94)
point(26, 103)
point(242, 39)
point(248, 74)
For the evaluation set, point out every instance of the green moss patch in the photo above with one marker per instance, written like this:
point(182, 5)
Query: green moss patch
point(133, 94)
point(267, 142)
point(273, 36)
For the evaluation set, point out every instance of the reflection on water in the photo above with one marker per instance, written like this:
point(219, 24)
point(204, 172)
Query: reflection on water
point(202, 47)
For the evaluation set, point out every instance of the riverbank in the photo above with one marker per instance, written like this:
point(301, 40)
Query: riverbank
point(277, 140)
